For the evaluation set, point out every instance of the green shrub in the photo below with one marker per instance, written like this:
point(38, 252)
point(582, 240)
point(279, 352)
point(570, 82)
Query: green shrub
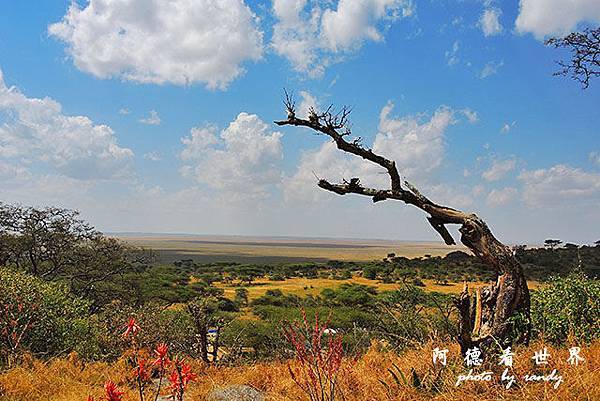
point(338, 317)
point(350, 295)
point(253, 340)
point(45, 318)
point(277, 298)
point(567, 307)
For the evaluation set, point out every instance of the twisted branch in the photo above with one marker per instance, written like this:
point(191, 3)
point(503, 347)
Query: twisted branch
point(329, 123)
point(485, 317)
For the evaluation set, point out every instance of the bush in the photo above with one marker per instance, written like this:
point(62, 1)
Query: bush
point(41, 317)
point(277, 298)
point(567, 307)
point(252, 340)
point(350, 295)
point(417, 282)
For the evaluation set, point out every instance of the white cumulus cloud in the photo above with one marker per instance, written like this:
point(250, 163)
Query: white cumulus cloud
point(153, 156)
point(417, 146)
point(560, 185)
point(178, 41)
point(470, 114)
point(312, 35)
point(452, 55)
point(152, 119)
point(555, 17)
point(36, 130)
point(499, 197)
point(308, 101)
point(490, 68)
point(490, 22)
point(242, 161)
point(499, 169)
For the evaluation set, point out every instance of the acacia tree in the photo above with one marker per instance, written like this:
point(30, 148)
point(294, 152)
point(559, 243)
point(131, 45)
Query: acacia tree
point(552, 243)
point(55, 244)
point(205, 313)
point(585, 55)
point(489, 315)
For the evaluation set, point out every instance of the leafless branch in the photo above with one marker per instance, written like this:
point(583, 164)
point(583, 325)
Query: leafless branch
point(497, 302)
point(329, 123)
point(585, 55)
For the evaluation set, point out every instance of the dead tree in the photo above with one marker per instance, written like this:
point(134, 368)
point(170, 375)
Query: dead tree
point(585, 55)
point(489, 315)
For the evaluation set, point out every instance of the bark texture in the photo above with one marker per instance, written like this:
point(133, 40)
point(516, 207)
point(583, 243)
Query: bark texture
point(487, 316)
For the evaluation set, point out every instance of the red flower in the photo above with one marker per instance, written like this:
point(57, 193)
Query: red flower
point(112, 392)
point(180, 376)
point(141, 371)
point(161, 354)
point(187, 374)
point(132, 327)
point(174, 380)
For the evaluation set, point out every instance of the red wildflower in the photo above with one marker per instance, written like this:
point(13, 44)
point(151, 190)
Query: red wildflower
point(180, 377)
point(132, 327)
point(161, 354)
point(112, 392)
point(187, 374)
point(319, 362)
point(140, 372)
point(174, 380)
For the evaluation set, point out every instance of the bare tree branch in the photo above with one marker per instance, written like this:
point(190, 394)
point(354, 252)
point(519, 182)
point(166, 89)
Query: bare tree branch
point(328, 123)
point(496, 303)
point(585, 55)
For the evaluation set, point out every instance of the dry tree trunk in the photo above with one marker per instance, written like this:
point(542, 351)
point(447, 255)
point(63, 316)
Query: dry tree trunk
point(486, 317)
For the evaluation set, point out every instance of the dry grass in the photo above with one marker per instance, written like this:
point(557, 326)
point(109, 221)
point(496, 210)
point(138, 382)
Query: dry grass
point(305, 286)
point(71, 380)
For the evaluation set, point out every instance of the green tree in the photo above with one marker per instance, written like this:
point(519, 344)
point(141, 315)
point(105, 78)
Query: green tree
point(241, 296)
point(370, 272)
point(552, 243)
point(248, 273)
point(567, 306)
point(208, 323)
point(41, 317)
point(55, 244)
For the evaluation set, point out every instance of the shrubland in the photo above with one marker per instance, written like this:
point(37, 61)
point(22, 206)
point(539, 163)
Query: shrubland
point(61, 328)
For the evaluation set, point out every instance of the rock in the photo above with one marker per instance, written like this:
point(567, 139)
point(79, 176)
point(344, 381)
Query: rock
point(237, 392)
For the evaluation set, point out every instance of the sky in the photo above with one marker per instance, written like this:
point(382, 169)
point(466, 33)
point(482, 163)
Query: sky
point(157, 116)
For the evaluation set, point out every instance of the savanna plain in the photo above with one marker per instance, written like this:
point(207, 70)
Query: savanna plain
point(216, 318)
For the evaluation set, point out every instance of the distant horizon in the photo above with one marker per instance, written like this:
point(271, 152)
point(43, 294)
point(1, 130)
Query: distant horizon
point(433, 241)
point(125, 233)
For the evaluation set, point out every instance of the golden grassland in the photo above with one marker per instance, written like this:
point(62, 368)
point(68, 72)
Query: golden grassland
point(68, 379)
point(313, 286)
point(255, 248)
point(228, 247)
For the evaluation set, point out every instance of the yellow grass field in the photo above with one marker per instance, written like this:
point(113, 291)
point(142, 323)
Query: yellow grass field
point(72, 380)
point(275, 249)
point(304, 286)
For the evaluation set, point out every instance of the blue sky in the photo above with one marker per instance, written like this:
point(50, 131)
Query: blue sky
point(157, 116)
